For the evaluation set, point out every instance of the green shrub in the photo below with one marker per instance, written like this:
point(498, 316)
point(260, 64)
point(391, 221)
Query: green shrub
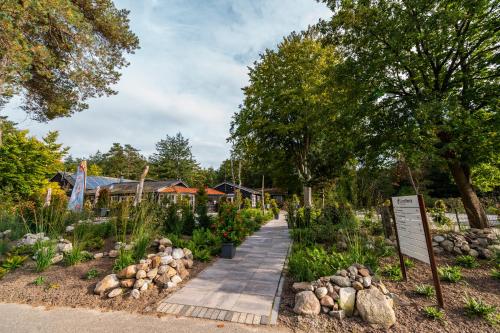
point(3, 271)
point(13, 262)
point(188, 220)
point(434, 313)
point(39, 281)
point(92, 274)
point(310, 263)
point(4, 247)
point(466, 261)
point(75, 256)
point(393, 272)
point(477, 308)
point(45, 252)
point(202, 254)
point(26, 250)
point(92, 244)
point(123, 260)
point(141, 245)
point(450, 273)
point(425, 290)
point(409, 263)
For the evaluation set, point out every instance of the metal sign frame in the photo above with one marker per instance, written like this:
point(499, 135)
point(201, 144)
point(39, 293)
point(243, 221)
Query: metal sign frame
point(428, 241)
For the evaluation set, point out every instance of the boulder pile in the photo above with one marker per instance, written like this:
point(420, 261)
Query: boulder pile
point(481, 243)
point(165, 270)
point(351, 291)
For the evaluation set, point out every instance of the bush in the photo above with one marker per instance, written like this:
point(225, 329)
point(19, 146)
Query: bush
point(409, 263)
point(24, 249)
point(45, 252)
point(438, 214)
point(75, 256)
point(3, 271)
point(425, 290)
point(466, 261)
point(124, 259)
point(310, 263)
point(434, 313)
point(141, 245)
point(4, 247)
point(495, 273)
point(477, 308)
point(450, 273)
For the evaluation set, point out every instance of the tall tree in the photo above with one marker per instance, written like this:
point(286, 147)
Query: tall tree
point(123, 161)
point(59, 53)
point(286, 111)
point(173, 159)
point(425, 76)
point(26, 162)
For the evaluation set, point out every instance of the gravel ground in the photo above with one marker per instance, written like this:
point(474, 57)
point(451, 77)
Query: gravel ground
point(477, 283)
point(67, 286)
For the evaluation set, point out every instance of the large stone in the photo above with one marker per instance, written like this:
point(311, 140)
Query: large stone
point(447, 245)
point(302, 286)
point(127, 283)
point(162, 269)
point(176, 279)
point(165, 242)
point(327, 301)
point(162, 280)
point(170, 272)
point(181, 270)
point(473, 253)
point(363, 272)
point(57, 258)
point(321, 292)
point(144, 287)
point(155, 261)
point(188, 254)
point(152, 273)
point(438, 238)
point(306, 303)
point(341, 281)
point(171, 284)
point(113, 254)
point(64, 247)
point(128, 272)
point(188, 263)
point(374, 308)
point(347, 298)
point(139, 283)
point(115, 292)
point(177, 253)
point(357, 285)
point(367, 281)
point(352, 270)
point(109, 282)
point(98, 255)
point(141, 274)
point(142, 267)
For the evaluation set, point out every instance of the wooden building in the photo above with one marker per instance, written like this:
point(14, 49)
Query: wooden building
point(230, 188)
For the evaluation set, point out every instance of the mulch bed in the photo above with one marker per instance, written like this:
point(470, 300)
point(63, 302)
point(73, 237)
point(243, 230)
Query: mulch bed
point(68, 286)
point(476, 282)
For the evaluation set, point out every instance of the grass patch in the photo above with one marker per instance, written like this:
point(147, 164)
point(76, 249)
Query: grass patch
point(451, 274)
point(45, 252)
point(13, 262)
point(39, 281)
point(434, 313)
point(466, 261)
point(409, 263)
point(478, 308)
point(495, 273)
point(92, 274)
point(125, 258)
point(75, 256)
point(425, 290)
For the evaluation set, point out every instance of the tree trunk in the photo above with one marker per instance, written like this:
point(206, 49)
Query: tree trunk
point(385, 214)
point(475, 212)
point(307, 196)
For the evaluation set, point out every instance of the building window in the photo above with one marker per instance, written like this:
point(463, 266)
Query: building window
point(254, 200)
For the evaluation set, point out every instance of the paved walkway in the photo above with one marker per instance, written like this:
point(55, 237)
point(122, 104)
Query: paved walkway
point(21, 318)
point(242, 289)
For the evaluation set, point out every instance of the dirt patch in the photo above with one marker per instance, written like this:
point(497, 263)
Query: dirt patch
point(68, 286)
point(477, 283)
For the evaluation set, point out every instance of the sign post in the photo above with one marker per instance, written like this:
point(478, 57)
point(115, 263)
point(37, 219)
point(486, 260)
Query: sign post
point(414, 237)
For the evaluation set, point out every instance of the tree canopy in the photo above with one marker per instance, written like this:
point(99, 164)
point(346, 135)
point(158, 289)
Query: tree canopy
point(59, 53)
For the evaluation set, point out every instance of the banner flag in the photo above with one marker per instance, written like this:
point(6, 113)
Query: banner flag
point(76, 200)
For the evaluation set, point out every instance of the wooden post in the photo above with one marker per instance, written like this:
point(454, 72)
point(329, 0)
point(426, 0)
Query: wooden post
point(263, 199)
point(435, 276)
point(140, 187)
point(401, 259)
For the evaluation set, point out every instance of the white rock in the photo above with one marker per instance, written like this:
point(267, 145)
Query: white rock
point(113, 254)
point(188, 254)
point(135, 293)
point(115, 292)
point(139, 283)
point(367, 281)
point(171, 284)
point(176, 279)
point(144, 287)
point(438, 238)
point(347, 298)
point(341, 281)
point(321, 292)
point(64, 247)
point(165, 260)
point(177, 253)
point(57, 258)
point(339, 314)
point(70, 228)
point(165, 242)
point(98, 255)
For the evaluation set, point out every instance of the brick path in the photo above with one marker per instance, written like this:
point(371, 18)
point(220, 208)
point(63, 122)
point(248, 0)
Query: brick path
point(245, 289)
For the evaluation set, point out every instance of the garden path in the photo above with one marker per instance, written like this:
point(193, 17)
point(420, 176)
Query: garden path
point(244, 289)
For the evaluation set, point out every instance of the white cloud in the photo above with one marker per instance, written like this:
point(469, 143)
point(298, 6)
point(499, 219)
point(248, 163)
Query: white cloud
point(187, 76)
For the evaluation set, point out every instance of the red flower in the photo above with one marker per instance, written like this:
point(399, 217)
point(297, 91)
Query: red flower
point(225, 234)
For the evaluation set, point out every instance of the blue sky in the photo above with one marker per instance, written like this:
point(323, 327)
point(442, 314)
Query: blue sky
point(187, 76)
